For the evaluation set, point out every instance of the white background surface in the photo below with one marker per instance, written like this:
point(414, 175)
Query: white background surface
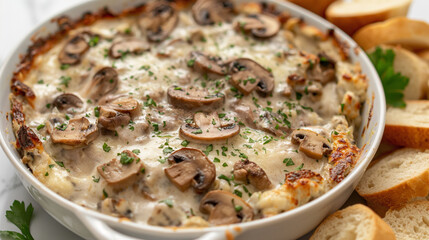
point(17, 17)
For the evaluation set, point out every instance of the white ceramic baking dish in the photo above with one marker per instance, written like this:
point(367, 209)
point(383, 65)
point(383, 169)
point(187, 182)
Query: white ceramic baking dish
point(289, 225)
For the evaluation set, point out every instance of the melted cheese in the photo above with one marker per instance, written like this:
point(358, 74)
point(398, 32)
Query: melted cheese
point(150, 75)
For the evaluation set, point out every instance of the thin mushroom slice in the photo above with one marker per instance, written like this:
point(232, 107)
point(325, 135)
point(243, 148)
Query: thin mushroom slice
point(78, 132)
point(74, 49)
point(126, 46)
point(190, 167)
point(208, 128)
point(193, 97)
point(225, 208)
point(123, 172)
point(67, 102)
point(260, 25)
point(249, 172)
point(103, 82)
point(159, 20)
point(208, 12)
point(311, 144)
point(206, 64)
point(246, 75)
point(111, 119)
point(125, 105)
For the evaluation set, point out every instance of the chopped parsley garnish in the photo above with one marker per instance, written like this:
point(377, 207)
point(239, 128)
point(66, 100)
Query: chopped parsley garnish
point(62, 127)
point(167, 150)
point(226, 178)
point(288, 162)
point(97, 111)
point(300, 166)
point(238, 208)
point(199, 131)
point(93, 41)
point(167, 202)
point(191, 62)
point(64, 66)
point(96, 180)
point(225, 164)
point(238, 193)
point(185, 143)
point(65, 80)
point(61, 164)
point(40, 126)
point(209, 148)
point(136, 151)
point(105, 193)
point(393, 82)
point(106, 147)
point(125, 159)
point(216, 159)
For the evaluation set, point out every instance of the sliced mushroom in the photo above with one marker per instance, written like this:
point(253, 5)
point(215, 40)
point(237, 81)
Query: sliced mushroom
point(111, 119)
point(311, 144)
point(225, 208)
point(78, 132)
point(121, 173)
point(190, 167)
point(249, 172)
point(260, 25)
point(322, 72)
point(208, 12)
point(193, 97)
point(159, 20)
point(103, 82)
point(74, 49)
point(132, 45)
point(67, 101)
point(247, 75)
point(208, 128)
point(206, 64)
point(124, 105)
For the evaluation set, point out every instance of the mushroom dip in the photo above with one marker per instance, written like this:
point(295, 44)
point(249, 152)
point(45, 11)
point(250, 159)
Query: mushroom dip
point(188, 115)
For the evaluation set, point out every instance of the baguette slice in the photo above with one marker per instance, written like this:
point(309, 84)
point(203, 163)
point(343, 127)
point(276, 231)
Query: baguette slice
point(410, 221)
point(413, 67)
point(424, 55)
point(353, 15)
point(410, 34)
point(317, 6)
point(396, 178)
point(356, 222)
point(408, 126)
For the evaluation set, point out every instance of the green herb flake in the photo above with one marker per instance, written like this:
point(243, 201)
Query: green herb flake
point(40, 126)
point(61, 164)
point(167, 202)
point(288, 162)
point(185, 143)
point(136, 151)
point(106, 147)
point(209, 148)
point(300, 166)
point(96, 180)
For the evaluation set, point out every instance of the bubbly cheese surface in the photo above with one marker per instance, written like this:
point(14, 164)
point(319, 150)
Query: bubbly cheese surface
point(153, 133)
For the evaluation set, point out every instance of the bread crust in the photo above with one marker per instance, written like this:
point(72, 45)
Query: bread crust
point(351, 23)
point(319, 6)
point(396, 196)
point(407, 136)
point(380, 230)
point(410, 34)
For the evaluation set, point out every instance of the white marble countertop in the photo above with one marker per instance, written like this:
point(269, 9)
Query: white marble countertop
point(17, 17)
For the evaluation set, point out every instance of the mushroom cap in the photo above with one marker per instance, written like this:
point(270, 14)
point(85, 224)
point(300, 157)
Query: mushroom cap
point(193, 97)
point(118, 173)
point(260, 25)
point(111, 119)
point(67, 101)
point(74, 49)
point(131, 45)
point(104, 81)
point(208, 12)
point(208, 128)
point(225, 208)
point(248, 171)
point(78, 132)
point(207, 64)
point(159, 20)
point(311, 144)
point(246, 75)
point(190, 167)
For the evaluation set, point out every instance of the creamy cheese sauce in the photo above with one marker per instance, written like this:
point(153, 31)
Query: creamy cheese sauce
point(154, 133)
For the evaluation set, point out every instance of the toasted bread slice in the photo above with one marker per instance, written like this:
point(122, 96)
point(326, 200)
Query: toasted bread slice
point(396, 178)
point(317, 6)
point(410, 221)
point(424, 55)
point(411, 66)
point(408, 126)
point(410, 34)
point(356, 222)
point(353, 15)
